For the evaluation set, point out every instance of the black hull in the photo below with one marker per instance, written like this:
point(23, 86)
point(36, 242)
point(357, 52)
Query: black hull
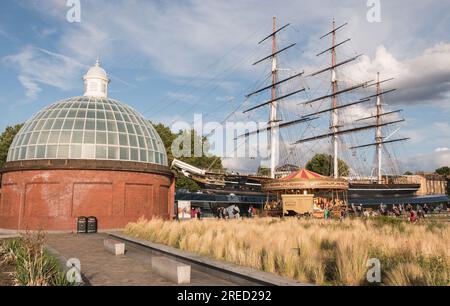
point(237, 184)
point(371, 191)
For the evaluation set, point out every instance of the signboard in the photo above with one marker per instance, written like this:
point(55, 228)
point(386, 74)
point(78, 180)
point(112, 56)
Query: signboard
point(300, 204)
point(184, 210)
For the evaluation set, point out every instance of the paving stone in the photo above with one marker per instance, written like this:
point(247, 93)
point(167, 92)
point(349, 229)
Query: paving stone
point(133, 269)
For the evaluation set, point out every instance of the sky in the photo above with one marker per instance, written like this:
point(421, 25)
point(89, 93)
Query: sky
point(173, 59)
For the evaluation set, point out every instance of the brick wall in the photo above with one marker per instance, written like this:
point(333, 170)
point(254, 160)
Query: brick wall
point(54, 199)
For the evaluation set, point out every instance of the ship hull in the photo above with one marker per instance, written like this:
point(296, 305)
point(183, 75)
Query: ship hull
point(371, 191)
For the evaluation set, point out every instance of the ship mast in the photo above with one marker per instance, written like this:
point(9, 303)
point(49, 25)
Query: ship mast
point(334, 113)
point(378, 135)
point(380, 140)
point(334, 120)
point(335, 128)
point(274, 132)
point(274, 123)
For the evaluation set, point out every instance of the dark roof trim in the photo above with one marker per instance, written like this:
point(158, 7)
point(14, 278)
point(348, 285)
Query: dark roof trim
point(75, 164)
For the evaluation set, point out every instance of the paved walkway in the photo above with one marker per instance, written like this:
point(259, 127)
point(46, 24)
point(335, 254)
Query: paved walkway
point(8, 234)
point(133, 269)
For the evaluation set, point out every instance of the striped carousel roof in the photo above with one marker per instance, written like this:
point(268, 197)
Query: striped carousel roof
point(305, 179)
point(304, 175)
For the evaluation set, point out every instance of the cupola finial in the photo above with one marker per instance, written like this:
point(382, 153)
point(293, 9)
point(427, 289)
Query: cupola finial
point(96, 81)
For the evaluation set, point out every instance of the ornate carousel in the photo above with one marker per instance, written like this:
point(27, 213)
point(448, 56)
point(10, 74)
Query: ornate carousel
point(306, 193)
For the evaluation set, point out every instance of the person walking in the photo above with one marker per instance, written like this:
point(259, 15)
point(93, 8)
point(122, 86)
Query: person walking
point(420, 213)
point(409, 208)
point(360, 210)
point(412, 216)
point(225, 214)
point(236, 212)
point(396, 211)
point(199, 213)
point(250, 212)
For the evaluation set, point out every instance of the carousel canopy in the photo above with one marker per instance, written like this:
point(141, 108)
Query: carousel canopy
point(305, 180)
point(303, 174)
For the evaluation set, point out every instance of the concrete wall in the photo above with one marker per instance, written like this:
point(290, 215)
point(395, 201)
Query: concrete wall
point(54, 199)
point(448, 185)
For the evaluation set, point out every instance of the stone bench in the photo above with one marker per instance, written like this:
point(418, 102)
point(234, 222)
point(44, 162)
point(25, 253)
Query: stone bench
point(115, 247)
point(172, 270)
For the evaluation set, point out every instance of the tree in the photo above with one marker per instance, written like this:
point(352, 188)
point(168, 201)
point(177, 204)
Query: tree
point(167, 138)
point(205, 161)
point(263, 171)
point(6, 138)
point(323, 164)
point(443, 171)
point(408, 173)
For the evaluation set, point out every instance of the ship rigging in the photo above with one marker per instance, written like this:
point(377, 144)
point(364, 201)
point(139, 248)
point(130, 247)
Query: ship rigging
point(336, 129)
point(299, 122)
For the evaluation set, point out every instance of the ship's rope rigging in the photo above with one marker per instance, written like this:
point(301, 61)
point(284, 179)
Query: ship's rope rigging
point(348, 118)
point(288, 110)
point(190, 87)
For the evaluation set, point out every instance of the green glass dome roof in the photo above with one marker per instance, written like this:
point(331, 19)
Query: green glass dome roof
point(88, 127)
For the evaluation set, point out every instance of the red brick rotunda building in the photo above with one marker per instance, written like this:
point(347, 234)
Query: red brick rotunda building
point(85, 156)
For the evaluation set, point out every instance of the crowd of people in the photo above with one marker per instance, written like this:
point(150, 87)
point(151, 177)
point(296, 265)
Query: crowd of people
point(327, 204)
point(337, 209)
point(232, 212)
point(196, 213)
point(413, 214)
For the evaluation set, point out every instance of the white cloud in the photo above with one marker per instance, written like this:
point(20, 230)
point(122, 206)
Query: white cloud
point(32, 89)
point(438, 150)
point(428, 161)
point(244, 165)
point(225, 98)
point(180, 96)
point(39, 67)
point(419, 80)
point(197, 38)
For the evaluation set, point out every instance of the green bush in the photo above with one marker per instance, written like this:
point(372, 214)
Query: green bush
point(34, 266)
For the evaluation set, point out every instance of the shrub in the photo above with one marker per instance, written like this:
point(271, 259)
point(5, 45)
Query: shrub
point(34, 266)
point(315, 251)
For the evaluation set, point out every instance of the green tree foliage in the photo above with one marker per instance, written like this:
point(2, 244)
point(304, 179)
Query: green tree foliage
point(205, 161)
point(323, 164)
point(167, 138)
point(443, 171)
point(263, 171)
point(408, 173)
point(6, 139)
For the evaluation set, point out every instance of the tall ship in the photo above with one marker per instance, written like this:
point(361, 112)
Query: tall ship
point(328, 110)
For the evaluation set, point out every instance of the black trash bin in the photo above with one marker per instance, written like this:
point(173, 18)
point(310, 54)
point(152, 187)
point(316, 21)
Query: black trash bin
point(82, 225)
point(92, 225)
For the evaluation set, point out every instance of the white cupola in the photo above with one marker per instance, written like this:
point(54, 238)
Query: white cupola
point(96, 82)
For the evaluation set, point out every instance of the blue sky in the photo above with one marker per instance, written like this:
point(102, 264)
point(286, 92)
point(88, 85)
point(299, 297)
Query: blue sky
point(171, 59)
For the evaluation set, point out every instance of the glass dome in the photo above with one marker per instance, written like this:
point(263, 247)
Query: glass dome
point(88, 127)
